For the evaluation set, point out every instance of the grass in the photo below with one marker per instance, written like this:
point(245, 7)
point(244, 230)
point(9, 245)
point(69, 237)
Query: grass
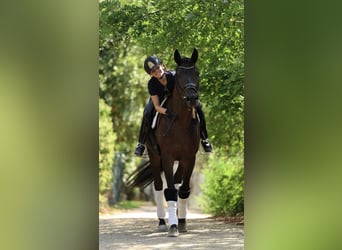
point(122, 205)
point(128, 204)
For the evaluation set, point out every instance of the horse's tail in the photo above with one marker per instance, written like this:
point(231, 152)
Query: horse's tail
point(141, 177)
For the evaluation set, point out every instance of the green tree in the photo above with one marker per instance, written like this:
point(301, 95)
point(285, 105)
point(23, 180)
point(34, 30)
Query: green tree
point(106, 151)
point(119, 73)
point(120, 83)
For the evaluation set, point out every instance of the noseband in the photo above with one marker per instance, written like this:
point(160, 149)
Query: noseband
point(187, 86)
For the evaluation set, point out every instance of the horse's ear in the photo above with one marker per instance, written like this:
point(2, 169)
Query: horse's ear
point(177, 57)
point(194, 56)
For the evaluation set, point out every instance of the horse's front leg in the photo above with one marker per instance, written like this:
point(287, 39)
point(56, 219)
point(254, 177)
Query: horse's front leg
point(171, 196)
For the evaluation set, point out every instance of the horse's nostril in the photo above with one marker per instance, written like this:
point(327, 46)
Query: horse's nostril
point(192, 96)
point(192, 99)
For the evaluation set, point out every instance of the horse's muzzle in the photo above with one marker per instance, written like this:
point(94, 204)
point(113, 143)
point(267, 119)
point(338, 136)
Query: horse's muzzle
point(191, 94)
point(191, 99)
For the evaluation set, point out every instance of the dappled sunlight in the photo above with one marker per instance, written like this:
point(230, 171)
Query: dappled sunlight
point(142, 234)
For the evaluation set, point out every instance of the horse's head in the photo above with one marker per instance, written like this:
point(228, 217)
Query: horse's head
point(187, 78)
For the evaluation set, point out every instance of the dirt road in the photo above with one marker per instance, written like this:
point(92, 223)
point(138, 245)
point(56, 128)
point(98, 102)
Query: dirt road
point(137, 229)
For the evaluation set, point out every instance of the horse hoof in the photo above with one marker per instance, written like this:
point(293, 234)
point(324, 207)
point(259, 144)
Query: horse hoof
point(173, 231)
point(162, 228)
point(182, 228)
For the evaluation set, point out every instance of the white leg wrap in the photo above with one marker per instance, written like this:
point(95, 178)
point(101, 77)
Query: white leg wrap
point(182, 208)
point(159, 198)
point(172, 208)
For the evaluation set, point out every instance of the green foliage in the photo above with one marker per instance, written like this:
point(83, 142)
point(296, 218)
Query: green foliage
point(106, 150)
point(223, 187)
point(121, 84)
point(128, 204)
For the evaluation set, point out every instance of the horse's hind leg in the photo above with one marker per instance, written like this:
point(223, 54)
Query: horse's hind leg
point(158, 192)
point(159, 199)
point(182, 210)
point(184, 193)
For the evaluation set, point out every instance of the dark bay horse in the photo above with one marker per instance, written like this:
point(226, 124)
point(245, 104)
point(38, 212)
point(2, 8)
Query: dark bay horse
point(177, 140)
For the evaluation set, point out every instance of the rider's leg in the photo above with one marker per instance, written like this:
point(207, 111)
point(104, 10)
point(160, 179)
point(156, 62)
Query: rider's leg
point(144, 129)
point(207, 146)
point(139, 150)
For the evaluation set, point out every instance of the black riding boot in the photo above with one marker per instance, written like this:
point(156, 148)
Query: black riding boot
point(207, 146)
point(139, 150)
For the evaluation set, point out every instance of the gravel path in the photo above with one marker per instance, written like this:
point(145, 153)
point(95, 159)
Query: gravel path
point(137, 229)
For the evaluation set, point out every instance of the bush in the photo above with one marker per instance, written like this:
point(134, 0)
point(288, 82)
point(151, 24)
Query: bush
point(223, 187)
point(106, 151)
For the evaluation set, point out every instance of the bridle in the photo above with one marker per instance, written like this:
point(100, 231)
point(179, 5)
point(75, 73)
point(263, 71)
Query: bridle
point(187, 86)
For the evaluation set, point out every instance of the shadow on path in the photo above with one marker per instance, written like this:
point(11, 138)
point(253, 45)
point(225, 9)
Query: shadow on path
point(137, 229)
